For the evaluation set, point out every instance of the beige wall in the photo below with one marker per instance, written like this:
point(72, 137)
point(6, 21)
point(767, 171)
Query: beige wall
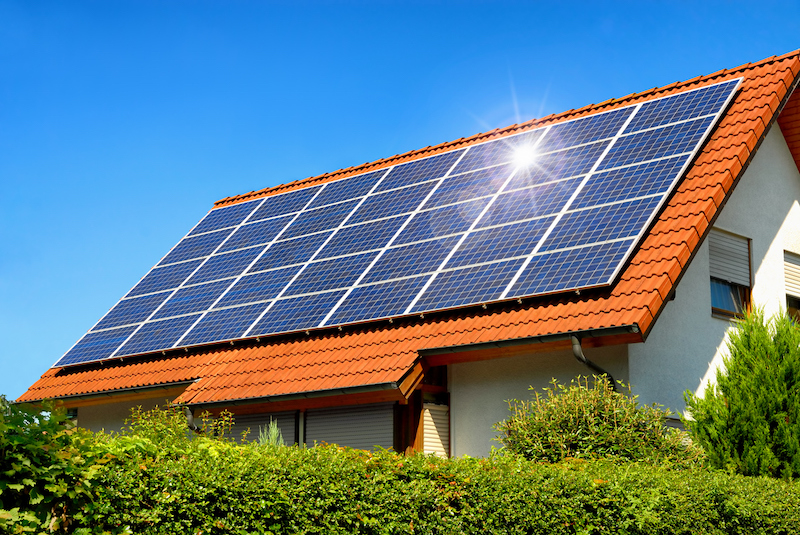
point(687, 344)
point(479, 390)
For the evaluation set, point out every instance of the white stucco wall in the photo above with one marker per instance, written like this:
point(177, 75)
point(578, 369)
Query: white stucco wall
point(686, 345)
point(479, 390)
point(110, 417)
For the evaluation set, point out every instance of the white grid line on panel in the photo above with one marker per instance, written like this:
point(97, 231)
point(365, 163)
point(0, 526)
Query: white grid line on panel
point(181, 285)
point(679, 174)
point(472, 227)
point(90, 331)
point(251, 264)
point(319, 249)
point(391, 241)
point(569, 202)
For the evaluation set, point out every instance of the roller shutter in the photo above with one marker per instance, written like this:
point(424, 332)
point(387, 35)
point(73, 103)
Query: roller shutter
point(791, 269)
point(729, 257)
point(436, 429)
point(359, 426)
point(253, 421)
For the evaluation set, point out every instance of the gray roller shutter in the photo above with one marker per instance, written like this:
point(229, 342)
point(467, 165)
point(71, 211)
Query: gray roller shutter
point(358, 426)
point(253, 421)
point(791, 269)
point(436, 429)
point(729, 257)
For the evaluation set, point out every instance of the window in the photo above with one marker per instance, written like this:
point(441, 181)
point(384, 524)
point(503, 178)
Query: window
point(729, 262)
point(791, 270)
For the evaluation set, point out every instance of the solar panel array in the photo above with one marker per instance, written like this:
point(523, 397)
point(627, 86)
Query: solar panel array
point(463, 227)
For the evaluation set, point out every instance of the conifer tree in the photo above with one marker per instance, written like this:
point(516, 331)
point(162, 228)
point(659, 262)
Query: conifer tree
point(749, 421)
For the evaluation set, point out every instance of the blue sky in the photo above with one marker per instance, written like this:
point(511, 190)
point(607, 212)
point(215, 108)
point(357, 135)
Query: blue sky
point(122, 122)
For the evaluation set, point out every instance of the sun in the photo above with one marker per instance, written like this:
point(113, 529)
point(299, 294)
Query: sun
point(524, 156)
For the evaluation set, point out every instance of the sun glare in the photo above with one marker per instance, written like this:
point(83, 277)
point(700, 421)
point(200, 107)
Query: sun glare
point(524, 155)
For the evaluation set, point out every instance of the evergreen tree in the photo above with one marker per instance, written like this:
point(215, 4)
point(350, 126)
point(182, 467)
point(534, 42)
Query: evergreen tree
point(749, 422)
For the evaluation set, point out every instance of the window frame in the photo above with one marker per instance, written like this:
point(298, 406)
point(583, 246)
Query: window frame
point(744, 291)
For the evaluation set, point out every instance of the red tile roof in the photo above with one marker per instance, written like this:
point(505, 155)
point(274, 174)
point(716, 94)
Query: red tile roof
point(381, 353)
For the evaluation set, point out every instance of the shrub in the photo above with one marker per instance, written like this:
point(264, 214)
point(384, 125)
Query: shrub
point(749, 421)
point(270, 435)
point(47, 469)
point(588, 419)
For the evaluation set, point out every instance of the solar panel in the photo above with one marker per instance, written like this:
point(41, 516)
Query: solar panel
point(458, 228)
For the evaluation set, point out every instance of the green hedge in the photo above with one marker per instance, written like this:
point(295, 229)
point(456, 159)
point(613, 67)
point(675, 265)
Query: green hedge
point(225, 488)
point(158, 479)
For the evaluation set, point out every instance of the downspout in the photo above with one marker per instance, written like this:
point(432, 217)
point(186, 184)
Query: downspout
point(577, 350)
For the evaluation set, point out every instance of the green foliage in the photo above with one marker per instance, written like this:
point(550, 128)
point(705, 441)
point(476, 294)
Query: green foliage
point(587, 419)
point(47, 470)
point(270, 435)
point(749, 421)
point(221, 487)
point(161, 480)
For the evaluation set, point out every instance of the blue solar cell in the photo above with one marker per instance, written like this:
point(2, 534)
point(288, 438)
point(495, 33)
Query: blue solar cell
point(331, 274)
point(508, 241)
point(558, 165)
point(585, 130)
point(629, 182)
point(681, 106)
point(258, 287)
point(227, 216)
point(130, 311)
point(452, 219)
point(157, 335)
point(391, 203)
point(285, 203)
point(347, 188)
point(195, 246)
point(328, 217)
point(378, 301)
point(496, 152)
point(527, 203)
point(223, 324)
point(604, 223)
point(192, 299)
point(225, 265)
point(297, 313)
point(259, 233)
point(95, 346)
point(423, 257)
point(457, 188)
point(362, 237)
point(574, 268)
point(289, 252)
point(658, 143)
point(163, 278)
point(419, 170)
point(468, 286)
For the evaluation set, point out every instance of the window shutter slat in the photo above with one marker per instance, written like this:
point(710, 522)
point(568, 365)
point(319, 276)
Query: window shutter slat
point(361, 427)
point(791, 268)
point(436, 429)
point(729, 258)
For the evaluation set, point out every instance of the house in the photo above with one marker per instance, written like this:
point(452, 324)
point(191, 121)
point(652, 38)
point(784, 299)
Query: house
point(727, 234)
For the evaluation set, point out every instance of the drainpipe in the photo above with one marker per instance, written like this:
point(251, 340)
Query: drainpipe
point(577, 350)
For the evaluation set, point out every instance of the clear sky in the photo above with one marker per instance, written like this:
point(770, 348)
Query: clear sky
point(122, 122)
